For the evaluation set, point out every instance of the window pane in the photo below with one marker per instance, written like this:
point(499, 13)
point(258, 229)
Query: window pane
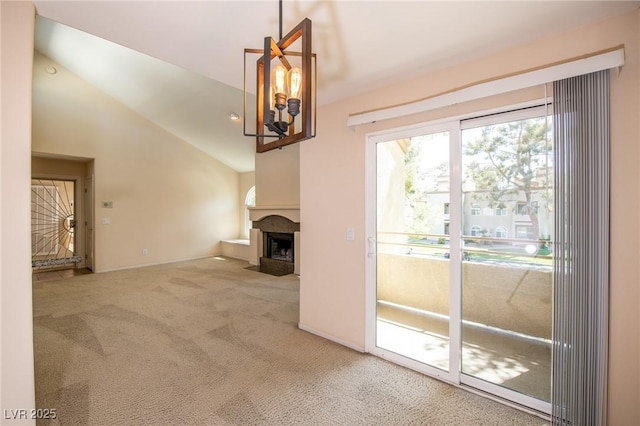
point(507, 282)
point(413, 248)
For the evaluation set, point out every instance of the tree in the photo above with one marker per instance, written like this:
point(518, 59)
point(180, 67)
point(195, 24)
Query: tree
point(421, 174)
point(505, 163)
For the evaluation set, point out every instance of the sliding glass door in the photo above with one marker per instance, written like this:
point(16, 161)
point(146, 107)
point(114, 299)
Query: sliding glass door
point(460, 231)
point(507, 226)
point(413, 248)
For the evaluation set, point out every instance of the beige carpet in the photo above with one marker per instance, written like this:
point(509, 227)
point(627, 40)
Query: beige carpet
point(209, 342)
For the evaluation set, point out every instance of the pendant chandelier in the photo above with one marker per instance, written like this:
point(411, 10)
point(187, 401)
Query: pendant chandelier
point(285, 89)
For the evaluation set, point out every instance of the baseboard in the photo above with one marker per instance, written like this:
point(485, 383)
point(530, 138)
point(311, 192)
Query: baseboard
point(330, 337)
point(155, 264)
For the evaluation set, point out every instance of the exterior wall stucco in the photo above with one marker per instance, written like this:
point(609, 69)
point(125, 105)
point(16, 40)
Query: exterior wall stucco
point(509, 298)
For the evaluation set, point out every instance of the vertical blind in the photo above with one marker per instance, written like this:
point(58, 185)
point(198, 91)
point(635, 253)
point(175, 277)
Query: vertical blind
point(581, 271)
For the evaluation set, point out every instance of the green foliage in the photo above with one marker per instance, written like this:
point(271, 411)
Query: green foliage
point(420, 180)
point(506, 159)
point(545, 248)
point(411, 171)
point(508, 156)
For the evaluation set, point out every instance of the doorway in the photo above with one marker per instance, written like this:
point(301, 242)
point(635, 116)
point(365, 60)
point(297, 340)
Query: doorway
point(53, 224)
point(460, 267)
point(61, 205)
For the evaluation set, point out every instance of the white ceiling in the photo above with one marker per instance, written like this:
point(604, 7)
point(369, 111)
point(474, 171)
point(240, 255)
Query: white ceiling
point(197, 78)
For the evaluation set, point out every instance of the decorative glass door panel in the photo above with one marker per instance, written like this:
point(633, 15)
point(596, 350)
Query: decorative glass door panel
point(53, 224)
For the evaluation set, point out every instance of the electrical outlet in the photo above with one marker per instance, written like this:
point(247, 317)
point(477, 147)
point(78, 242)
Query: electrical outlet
point(145, 252)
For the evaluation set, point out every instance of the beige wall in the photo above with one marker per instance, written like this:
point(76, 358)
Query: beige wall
point(58, 168)
point(247, 180)
point(17, 388)
point(168, 197)
point(277, 177)
point(332, 174)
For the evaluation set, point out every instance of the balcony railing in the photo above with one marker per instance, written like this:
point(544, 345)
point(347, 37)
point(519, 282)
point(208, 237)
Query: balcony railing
point(475, 248)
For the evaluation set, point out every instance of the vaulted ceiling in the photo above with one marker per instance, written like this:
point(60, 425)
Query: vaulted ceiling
point(180, 63)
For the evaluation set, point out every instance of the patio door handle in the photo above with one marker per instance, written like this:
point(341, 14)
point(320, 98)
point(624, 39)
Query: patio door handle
point(371, 247)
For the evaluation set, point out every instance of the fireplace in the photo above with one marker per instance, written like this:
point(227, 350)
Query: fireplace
point(278, 246)
point(276, 254)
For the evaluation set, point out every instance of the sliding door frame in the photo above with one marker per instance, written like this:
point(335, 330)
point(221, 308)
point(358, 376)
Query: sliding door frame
point(454, 376)
point(451, 126)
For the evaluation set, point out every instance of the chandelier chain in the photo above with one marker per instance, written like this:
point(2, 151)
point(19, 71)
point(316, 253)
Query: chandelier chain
point(280, 20)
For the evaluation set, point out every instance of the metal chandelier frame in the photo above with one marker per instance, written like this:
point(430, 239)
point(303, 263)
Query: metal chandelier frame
point(264, 114)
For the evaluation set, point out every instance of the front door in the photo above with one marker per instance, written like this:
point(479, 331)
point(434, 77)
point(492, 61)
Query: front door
point(53, 223)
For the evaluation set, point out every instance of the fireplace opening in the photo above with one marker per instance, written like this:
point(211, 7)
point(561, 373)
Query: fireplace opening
point(277, 249)
point(279, 246)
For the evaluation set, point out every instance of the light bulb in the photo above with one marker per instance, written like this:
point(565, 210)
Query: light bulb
point(279, 75)
point(272, 100)
point(295, 82)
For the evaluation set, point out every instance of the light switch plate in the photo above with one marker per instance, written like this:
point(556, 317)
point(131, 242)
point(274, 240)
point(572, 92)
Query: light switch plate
point(351, 234)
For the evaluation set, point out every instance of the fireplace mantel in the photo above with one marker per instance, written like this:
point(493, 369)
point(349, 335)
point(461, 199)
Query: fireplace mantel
point(260, 212)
